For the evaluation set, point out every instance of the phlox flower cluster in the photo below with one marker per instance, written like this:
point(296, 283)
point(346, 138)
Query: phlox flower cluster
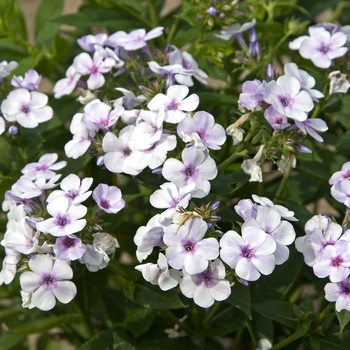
point(24, 105)
point(285, 103)
point(195, 259)
point(47, 230)
point(326, 246)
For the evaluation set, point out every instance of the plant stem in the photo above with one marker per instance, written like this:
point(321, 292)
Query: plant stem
point(20, 155)
point(153, 13)
point(230, 159)
point(173, 30)
point(182, 325)
point(285, 342)
point(278, 196)
point(238, 338)
point(211, 314)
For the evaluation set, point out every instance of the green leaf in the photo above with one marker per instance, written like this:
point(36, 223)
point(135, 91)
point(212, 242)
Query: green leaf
point(44, 324)
point(151, 296)
point(102, 340)
point(9, 341)
point(343, 318)
point(27, 63)
point(277, 310)
point(45, 29)
point(240, 297)
point(13, 19)
point(121, 344)
point(315, 342)
point(139, 320)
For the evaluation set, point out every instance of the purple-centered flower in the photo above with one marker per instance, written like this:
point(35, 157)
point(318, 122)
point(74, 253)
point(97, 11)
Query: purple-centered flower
point(170, 197)
point(30, 81)
point(159, 274)
point(202, 124)
point(66, 218)
point(341, 192)
point(343, 174)
point(27, 108)
point(334, 261)
point(6, 68)
point(99, 116)
point(310, 126)
point(88, 42)
point(44, 167)
point(174, 103)
point(108, 198)
point(250, 254)
point(207, 286)
point(286, 98)
point(340, 293)
point(252, 94)
point(187, 248)
point(275, 119)
point(236, 30)
point(85, 65)
point(197, 167)
point(322, 47)
point(73, 189)
point(47, 281)
point(66, 85)
point(69, 248)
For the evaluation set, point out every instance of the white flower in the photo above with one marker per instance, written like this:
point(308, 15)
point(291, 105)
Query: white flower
point(338, 83)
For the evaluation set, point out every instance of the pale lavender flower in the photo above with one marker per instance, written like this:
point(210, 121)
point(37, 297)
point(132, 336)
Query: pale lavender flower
point(197, 167)
point(95, 258)
point(170, 197)
point(98, 115)
point(275, 119)
point(207, 286)
point(130, 100)
point(341, 192)
point(44, 167)
point(286, 97)
point(69, 248)
point(334, 261)
point(149, 236)
point(73, 189)
point(211, 134)
point(176, 57)
point(307, 82)
point(236, 30)
point(250, 254)
point(13, 130)
point(85, 65)
point(174, 103)
point(30, 81)
point(47, 281)
point(27, 108)
point(322, 47)
point(121, 152)
point(187, 248)
point(310, 126)
point(211, 11)
point(88, 42)
point(340, 293)
point(137, 38)
point(252, 167)
point(108, 198)
point(246, 209)
point(252, 95)
point(66, 85)
point(6, 68)
point(343, 174)
point(66, 218)
point(159, 274)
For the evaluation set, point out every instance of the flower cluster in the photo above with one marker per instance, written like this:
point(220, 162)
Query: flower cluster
point(193, 258)
point(47, 231)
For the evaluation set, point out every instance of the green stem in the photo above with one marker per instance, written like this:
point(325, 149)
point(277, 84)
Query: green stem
point(285, 342)
point(322, 315)
point(278, 196)
point(238, 338)
point(211, 314)
point(87, 324)
point(173, 30)
point(182, 325)
point(337, 11)
point(231, 159)
point(201, 34)
point(153, 13)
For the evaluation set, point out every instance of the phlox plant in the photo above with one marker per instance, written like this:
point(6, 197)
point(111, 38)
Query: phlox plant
point(182, 178)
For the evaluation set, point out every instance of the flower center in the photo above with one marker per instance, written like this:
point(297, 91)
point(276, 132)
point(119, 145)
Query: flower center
point(127, 151)
point(285, 101)
point(345, 288)
point(324, 48)
point(104, 203)
point(173, 105)
point(61, 221)
point(72, 194)
point(68, 242)
point(26, 108)
point(337, 261)
point(247, 252)
point(189, 246)
point(41, 167)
